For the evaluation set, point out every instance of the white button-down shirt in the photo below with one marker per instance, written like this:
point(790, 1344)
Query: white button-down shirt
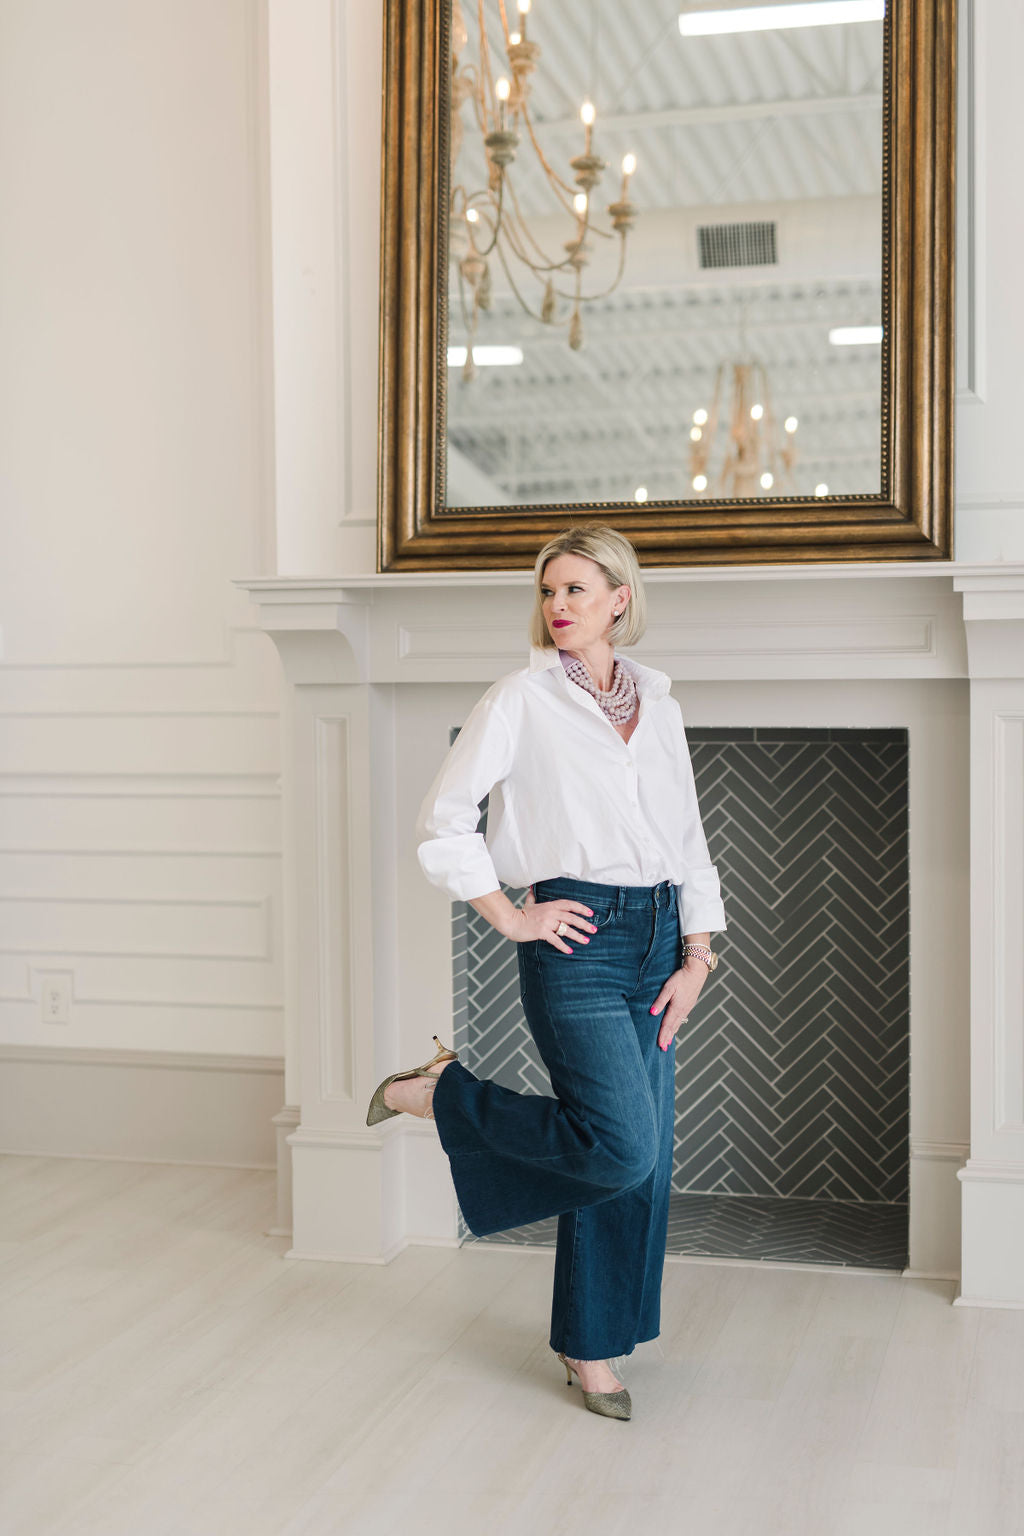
point(568, 796)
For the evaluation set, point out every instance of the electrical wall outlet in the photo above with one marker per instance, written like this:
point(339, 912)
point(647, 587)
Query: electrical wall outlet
point(55, 1003)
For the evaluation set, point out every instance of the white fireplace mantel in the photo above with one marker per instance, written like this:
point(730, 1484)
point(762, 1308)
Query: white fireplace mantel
point(936, 646)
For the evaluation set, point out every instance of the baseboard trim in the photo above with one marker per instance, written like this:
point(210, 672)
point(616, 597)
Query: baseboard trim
point(172, 1162)
point(334, 1258)
point(985, 1301)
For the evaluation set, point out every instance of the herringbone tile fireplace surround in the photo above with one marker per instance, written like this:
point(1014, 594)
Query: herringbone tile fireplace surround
point(793, 1074)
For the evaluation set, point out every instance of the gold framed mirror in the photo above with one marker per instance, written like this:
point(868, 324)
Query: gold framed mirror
point(764, 443)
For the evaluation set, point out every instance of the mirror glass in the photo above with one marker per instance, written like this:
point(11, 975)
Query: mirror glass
point(664, 251)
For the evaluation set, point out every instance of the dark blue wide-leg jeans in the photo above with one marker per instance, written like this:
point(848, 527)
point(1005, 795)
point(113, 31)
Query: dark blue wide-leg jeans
point(598, 1155)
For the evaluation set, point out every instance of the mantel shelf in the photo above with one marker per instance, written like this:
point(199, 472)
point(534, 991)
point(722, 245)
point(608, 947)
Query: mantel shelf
point(292, 588)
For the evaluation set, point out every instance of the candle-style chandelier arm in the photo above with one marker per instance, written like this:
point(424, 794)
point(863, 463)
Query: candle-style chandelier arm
point(552, 325)
point(592, 298)
point(577, 296)
point(486, 73)
point(493, 223)
point(545, 264)
point(513, 230)
point(558, 185)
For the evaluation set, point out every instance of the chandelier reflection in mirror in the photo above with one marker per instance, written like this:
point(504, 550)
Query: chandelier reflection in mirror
point(487, 223)
point(759, 452)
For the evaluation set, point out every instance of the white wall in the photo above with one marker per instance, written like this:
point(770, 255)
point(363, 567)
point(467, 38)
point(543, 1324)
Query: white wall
point(139, 803)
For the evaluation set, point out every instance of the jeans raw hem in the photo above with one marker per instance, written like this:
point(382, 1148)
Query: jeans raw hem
point(610, 1354)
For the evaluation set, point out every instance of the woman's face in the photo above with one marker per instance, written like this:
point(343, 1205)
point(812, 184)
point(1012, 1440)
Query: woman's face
point(579, 606)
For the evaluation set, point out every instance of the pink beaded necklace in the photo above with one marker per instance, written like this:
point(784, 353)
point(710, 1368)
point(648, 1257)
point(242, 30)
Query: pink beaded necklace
point(619, 702)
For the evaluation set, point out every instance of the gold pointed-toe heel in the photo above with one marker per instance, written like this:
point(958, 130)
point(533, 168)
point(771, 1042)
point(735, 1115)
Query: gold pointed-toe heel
point(613, 1405)
point(378, 1110)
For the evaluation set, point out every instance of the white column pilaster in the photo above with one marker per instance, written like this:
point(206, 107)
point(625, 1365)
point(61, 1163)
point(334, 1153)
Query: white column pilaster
point(993, 1179)
point(347, 1183)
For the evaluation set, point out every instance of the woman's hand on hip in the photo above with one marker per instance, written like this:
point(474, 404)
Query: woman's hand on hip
point(540, 920)
point(677, 997)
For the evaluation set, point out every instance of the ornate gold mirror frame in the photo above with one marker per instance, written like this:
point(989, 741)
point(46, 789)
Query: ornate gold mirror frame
point(910, 519)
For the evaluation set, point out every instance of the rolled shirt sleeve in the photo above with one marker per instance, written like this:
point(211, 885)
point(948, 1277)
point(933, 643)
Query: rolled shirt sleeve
point(452, 853)
point(700, 902)
point(699, 896)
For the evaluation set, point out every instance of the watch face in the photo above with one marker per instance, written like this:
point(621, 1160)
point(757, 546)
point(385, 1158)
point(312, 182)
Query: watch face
point(714, 963)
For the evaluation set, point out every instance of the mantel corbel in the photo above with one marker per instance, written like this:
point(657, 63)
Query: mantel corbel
point(993, 610)
point(321, 631)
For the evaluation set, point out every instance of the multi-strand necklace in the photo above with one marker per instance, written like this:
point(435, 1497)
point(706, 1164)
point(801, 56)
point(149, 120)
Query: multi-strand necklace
point(619, 702)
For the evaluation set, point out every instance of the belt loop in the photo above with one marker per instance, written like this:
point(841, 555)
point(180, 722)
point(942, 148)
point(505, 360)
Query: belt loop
point(620, 902)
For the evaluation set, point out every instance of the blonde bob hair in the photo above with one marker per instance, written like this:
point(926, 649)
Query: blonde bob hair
point(617, 559)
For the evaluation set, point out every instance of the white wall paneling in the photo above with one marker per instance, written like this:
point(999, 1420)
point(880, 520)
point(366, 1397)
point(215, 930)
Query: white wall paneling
point(990, 300)
point(140, 839)
point(325, 91)
point(970, 170)
point(140, 1106)
point(140, 852)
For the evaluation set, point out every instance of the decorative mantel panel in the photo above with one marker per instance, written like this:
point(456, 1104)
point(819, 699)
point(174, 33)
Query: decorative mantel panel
point(381, 666)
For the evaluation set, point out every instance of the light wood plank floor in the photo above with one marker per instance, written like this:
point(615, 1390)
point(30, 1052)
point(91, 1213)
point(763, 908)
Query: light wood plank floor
point(166, 1371)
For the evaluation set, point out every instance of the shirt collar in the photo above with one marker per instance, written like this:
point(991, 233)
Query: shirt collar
point(650, 683)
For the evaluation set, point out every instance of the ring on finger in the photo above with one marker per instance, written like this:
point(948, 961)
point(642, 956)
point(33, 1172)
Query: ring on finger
point(563, 927)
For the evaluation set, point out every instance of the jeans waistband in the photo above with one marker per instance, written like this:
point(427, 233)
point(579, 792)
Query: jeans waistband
point(620, 896)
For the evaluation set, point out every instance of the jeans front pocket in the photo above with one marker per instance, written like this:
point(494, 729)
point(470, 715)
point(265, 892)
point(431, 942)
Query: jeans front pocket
point(603, 915)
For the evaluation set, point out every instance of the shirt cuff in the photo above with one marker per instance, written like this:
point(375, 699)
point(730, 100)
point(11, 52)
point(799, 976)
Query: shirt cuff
point(460, 871)
point(700, 902)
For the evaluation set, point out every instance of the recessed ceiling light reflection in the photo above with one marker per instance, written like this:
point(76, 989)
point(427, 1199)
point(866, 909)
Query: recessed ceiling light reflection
point(856, 335)
point(486, 357)
point(776, 18)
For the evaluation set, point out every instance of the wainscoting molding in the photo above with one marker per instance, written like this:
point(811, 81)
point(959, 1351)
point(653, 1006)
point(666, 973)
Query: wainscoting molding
point(140, 1106)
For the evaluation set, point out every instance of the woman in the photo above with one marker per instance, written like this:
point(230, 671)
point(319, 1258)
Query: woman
point(592, 804)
